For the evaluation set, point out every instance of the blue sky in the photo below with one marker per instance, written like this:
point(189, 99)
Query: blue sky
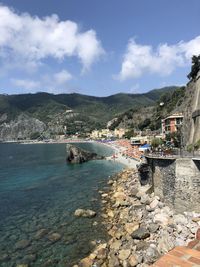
point(96, 47)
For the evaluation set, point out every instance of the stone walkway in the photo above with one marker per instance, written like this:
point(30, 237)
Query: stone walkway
point(182, 256)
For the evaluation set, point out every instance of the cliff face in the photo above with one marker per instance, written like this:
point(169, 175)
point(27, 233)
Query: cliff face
point(191, 112)
point(20, 128)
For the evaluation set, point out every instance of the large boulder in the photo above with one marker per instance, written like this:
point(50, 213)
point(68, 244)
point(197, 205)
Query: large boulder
point(78, 155)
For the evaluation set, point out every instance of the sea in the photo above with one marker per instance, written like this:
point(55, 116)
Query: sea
point(39, 193)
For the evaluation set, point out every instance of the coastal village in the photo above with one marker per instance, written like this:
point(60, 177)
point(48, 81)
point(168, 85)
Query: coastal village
point(151, 210)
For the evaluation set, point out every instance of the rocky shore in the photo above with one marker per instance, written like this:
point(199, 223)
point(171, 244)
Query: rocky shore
point(141, 227)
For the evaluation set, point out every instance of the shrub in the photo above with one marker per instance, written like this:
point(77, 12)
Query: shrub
point(197, 145)
point(190, 148)
point(156, 142)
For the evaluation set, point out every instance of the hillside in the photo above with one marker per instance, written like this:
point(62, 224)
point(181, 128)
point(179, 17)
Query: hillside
point(150, 117)
point(86, 112)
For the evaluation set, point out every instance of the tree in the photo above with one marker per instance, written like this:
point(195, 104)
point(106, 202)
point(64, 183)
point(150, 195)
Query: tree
point(142, 125)
point(130, 134)
point(175, 137)
point(156, 142)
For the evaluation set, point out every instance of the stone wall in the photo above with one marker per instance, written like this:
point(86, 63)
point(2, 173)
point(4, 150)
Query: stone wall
point(187, 185)
point(177, 182)
point(163, 178)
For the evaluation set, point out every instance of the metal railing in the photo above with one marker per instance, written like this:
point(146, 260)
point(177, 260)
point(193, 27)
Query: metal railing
point(176, 153)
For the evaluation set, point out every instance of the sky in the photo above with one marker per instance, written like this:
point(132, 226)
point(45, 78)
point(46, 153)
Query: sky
point(96, 47)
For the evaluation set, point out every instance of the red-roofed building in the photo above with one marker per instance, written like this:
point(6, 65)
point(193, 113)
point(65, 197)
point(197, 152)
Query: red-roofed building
point(171, 123)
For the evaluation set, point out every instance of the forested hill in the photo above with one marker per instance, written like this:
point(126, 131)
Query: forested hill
point(43, 105)
point(90, 111)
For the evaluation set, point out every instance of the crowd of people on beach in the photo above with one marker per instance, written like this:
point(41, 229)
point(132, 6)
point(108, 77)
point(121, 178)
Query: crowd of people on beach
point(129, 151)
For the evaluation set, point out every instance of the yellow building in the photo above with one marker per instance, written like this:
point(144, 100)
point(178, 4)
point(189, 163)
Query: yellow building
point(119, 133)
point(103, 133)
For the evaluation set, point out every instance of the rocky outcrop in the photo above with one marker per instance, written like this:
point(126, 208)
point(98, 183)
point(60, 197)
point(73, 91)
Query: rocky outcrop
point(78, 155)
point(20, 128)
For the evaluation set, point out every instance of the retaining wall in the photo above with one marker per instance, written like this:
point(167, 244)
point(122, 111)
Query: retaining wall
point(177, 182)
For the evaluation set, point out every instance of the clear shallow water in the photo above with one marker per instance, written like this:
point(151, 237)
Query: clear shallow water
point(39, 190)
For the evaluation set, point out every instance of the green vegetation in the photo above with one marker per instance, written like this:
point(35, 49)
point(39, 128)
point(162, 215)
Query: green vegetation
point(175, 138)
point(150, 117)
point(197, 145)
point(190, 148)
point(156, 142)
point(130, 134)
point(88, 112)
point(35, 135)
point(195, 67)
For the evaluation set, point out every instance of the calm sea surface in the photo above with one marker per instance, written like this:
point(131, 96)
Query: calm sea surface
point(38, 190)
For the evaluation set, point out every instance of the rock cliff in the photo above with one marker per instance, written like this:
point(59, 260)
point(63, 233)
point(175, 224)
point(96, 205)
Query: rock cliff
point(21, 128)
point(191, 112)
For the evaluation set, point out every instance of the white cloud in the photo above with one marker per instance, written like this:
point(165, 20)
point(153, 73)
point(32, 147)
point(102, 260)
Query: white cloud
point(54, 83)
point(33, 39)
point(26, 84)
point(62, 77)
point(141, 59)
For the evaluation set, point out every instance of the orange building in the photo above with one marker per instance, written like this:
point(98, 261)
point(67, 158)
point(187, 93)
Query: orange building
point(171, 123)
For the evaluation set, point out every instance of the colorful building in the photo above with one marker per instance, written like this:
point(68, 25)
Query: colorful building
point(172, 123)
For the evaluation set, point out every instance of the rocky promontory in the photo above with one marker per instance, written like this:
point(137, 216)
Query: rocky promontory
point(79, 155)
point(141, 227)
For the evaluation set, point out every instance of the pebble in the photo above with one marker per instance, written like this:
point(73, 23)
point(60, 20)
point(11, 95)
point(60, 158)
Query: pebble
point(22, 244)
point(140, 233)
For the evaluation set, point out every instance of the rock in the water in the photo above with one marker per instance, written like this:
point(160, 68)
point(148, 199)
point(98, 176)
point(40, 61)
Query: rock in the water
point(54, 237)
point(78, 155)
point(22, 244)
point(85, 213)
point(4, 257)
point(29, 258)
point(141, 233)
point(41, 233)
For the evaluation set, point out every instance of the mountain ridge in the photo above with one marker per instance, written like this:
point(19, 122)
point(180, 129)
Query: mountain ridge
point(88, 112)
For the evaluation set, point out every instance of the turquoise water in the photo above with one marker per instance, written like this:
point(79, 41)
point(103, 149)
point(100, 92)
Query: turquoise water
point(38, 190)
